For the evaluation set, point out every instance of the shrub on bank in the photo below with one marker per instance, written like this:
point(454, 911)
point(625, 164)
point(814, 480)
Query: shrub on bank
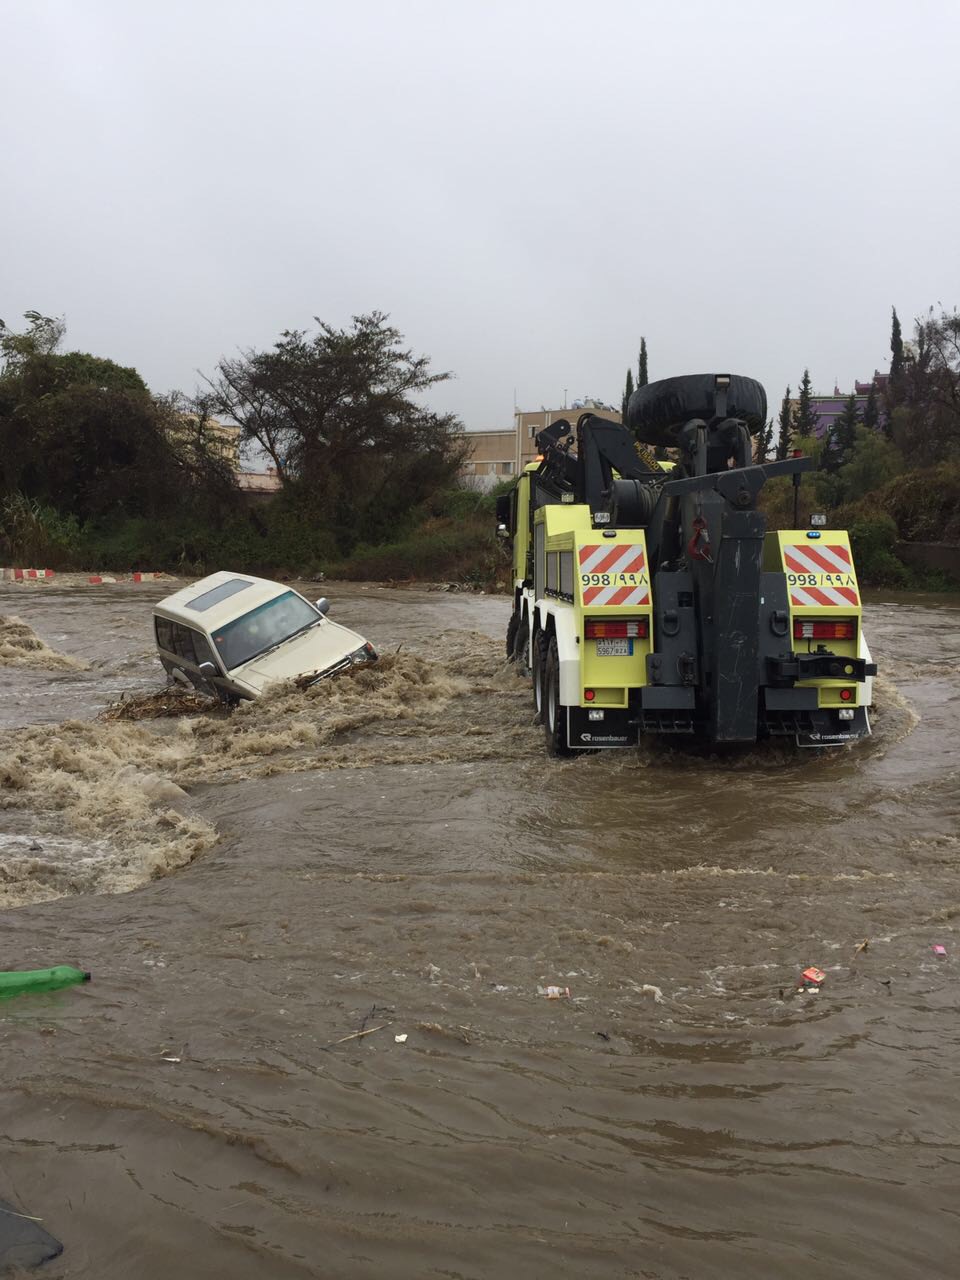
point(452, 541)
point(872, 541)
point(36, 535)
point(441, 550)
point(925, 505)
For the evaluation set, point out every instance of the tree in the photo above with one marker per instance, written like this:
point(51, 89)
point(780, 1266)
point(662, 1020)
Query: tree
point(872, 462)
point(627, 393)
point(84, 436)
point(842, 436)
point(642, 378)
point(806, 417)
point(927, 417)
point(765, 442)
point(785, 424)
point(871, 410)
point(42, 337)
point(894, 386)
point(336, 414)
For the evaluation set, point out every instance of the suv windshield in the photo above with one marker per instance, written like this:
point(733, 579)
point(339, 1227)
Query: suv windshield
point(262, 628)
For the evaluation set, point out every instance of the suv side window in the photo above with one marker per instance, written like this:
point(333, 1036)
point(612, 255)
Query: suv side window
point(201, 647)
point(183, 643)
point(164, 629)
point(191, 645)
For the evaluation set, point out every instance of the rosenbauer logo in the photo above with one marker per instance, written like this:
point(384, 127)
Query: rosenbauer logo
point(616, 740)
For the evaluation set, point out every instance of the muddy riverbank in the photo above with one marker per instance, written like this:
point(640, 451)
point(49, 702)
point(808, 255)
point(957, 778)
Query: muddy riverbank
point(398, 854)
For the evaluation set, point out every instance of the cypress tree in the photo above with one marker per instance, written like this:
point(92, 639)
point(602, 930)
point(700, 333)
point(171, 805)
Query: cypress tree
point(627, 393)
point(765, 442)
point(896, 350)
point(642, 378)
point(807, 416)
point(785, 423)
point(843, 434)
point(871, 410)
point(896, 389)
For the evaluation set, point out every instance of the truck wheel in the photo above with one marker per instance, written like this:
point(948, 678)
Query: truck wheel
point(512, 626)
point(540, 646)
point(554, 712)
point(521, 641)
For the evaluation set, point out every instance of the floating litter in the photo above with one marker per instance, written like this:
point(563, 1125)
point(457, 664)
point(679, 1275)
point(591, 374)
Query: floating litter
point(811, 979)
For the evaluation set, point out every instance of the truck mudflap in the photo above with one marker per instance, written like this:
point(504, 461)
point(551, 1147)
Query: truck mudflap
point(590, 729)
point(595, 728)
point(818, 728)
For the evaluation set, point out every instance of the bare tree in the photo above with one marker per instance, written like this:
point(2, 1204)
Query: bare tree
point(337, 412)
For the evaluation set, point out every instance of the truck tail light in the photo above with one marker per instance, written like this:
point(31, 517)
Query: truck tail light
point(615, 628)
point(821, 629)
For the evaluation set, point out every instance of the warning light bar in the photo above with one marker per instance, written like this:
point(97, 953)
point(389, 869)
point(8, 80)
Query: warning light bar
point(821, 629)
point(615, 629)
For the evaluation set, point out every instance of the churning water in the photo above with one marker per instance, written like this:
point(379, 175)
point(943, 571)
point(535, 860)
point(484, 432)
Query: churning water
point(393, 853)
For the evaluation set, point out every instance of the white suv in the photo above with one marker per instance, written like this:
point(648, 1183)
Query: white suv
point(231, 634)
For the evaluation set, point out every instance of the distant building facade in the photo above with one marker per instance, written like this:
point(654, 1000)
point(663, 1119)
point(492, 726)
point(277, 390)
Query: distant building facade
point(829, 408)
point(258, 486)
point(492, 458)
point(497, 455)
point(221, 439)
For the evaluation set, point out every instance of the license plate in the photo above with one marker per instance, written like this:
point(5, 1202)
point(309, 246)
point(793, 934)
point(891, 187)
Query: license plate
point(614, 648)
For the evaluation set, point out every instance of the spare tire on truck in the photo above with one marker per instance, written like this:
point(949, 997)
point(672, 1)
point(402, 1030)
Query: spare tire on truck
point(658, 411)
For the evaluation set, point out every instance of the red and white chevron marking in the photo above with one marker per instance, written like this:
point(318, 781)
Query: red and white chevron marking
point(613, 563)
point(824, 597)
point(823, 560)
point(810, 559)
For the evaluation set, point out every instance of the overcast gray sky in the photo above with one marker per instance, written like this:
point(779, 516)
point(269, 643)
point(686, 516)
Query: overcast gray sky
point(525, 187)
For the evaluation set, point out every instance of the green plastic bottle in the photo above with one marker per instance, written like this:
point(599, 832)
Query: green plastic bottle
point(17, 983)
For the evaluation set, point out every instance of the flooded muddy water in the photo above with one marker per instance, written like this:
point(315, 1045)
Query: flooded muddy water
point(393, 853)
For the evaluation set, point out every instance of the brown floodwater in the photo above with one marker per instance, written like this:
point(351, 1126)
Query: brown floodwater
point(394, 853)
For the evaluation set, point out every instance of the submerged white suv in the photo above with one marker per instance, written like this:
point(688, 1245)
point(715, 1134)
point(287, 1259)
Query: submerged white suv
point(231, 634)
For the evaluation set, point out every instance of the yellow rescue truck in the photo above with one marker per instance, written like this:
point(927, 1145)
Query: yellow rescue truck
point(649, 598)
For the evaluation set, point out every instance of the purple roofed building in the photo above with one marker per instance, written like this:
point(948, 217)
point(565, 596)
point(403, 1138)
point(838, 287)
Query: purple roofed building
point(829, 408)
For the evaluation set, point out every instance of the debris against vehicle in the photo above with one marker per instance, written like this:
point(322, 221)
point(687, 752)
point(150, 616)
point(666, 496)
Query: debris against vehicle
point(649, 597)
point(232, 635)
point(172, 701)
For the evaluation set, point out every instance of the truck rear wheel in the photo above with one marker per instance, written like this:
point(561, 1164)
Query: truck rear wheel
point(540, 647)
point(521, 640)
point(554, 712)
point(512, 626)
